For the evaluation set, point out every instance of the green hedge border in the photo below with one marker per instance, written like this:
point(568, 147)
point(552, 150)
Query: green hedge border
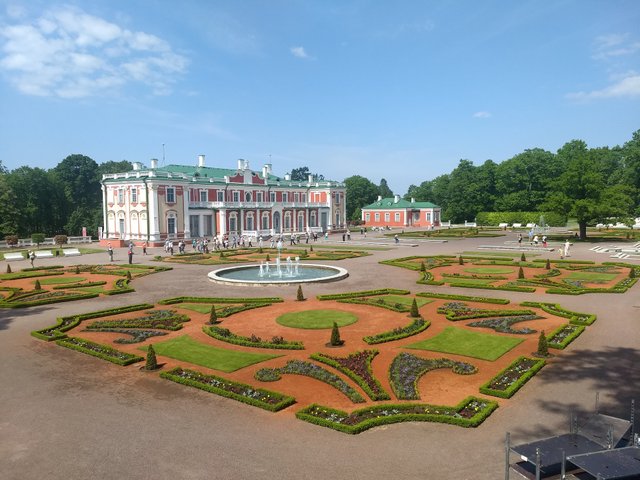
point(560, 311)
point(284, 403)
point(105, 355)
point(363, 293)
point(474, 421)
point(570, 338)
point(187, 299)
point(390, 336)
point(518, 384)
point(468, 298)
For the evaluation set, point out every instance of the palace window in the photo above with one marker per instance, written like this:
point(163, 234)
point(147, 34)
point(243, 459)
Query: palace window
point(272, 197)
point(397, 216)
point(367, 217)
point(171, 195)
point(134, 195)
point(259, 196)
point(121, 196)
point(247, 198)
point(285, 197)
point(387, 216)
point(236, 196)
point(203, 195)
point(377, 217)
point(220, 195)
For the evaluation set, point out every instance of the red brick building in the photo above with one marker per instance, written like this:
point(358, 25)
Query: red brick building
point(397, 212)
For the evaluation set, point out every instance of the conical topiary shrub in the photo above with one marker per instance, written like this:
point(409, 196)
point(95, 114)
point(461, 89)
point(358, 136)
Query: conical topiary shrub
point(423, 267)
point(128, 275)
point(632, 272)
point(523, 258)
point(77, 270)
point(300, 295)
point(37, 285)
point(543, 346)
point(548, 265)
point(311, 248)
point(152, 362)
point(268, 259)
point(8, 268)
point(520, 273)
point(414, 309)
point(460, 260)
point(213, 316)
point(335, 336)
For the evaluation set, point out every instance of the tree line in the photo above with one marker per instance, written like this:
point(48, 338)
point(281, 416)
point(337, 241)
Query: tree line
point(588, 184)
point(60, 200)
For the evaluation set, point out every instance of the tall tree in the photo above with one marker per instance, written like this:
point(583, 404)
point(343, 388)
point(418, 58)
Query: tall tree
point(360, 192)
point(383, 190)
point(300, 174)
point(9, 213)
point(114, 167)
point(80, 179)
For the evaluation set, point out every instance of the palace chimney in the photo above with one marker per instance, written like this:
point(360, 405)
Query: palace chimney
point(201, 160)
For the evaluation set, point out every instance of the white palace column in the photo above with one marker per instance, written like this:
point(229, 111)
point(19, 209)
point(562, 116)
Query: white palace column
point(152, 213)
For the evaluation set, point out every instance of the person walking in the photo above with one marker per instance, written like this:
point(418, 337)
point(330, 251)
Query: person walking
point(32, 256)
point(110, 252)
point(395, 237)
point(130, 253)
point(144, 248)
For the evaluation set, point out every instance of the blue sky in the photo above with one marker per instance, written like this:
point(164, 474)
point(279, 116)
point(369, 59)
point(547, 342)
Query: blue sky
point(397, 90)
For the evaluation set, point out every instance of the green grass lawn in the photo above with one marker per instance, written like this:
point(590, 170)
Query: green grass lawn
point(61, 280)
point(402, 300)
point(489, 270)
point(197, 307)
point(469, 281)
point(589, 277)
point(186, 349)
point(94, 289)
point(316, 319)
point(484, 346)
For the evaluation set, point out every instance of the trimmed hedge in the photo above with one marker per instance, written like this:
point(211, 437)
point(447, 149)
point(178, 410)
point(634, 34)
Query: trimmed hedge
point(454, 316)
point(470, 412)
point(467, 298)
point(574, 332)
point(98, 350)
point(50, 297)
point(416, 326)
point(257, 397)
point(363, 293)
point(224, 335)
point(171, 301)
point(575, 318)
point(67, 323)
point(496, 218)
point(523, 377)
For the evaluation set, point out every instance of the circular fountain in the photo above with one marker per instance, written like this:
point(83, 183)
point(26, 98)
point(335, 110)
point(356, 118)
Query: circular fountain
point(290, 271)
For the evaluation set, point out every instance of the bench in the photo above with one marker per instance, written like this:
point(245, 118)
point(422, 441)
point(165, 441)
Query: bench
point(517, 225)
point(503, 225)
point(70, 252)
point(13, 256)
point(44, 254)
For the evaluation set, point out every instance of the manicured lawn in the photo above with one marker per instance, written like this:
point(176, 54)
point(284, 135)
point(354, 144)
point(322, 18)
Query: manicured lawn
point(316, 319)
point(61, 280)
point(470, 344)
point(94, 289)
point(475, 281)
point(197, 307)
point(489, 270)
point(590, 277)
point(186, 349)
point(403, 300)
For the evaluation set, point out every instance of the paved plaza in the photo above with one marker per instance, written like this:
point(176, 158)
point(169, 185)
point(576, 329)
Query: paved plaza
point(72, 416)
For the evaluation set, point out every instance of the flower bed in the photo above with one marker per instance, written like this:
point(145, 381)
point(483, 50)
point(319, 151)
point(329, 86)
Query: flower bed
point(67, 323)
point(397, 307)
point(258, 397)
point(225, 335)
point(512, 378)
point(363, 293)
point(162, 319)
point(464, 298)
point(357, 366)
point(416, 326)
point(42, 297)
point(173, 300)
point(79, 285)
point(97, 350)
point(503, 324)
point(575, 318)
point(471, 412)
point(406, 370)
point(300, 367)
point(137, 336)
point(564, 335)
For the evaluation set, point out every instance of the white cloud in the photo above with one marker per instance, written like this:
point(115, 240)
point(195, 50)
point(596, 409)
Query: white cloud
point(299, 52)
point(482, 115)
point(615, 45)
point(71, 54)
point(627, 86)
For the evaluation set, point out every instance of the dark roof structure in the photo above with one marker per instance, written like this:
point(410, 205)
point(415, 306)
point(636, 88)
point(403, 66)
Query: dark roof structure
point(616, 464)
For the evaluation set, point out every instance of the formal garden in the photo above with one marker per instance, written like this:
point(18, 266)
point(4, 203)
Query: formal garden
point(348, 361)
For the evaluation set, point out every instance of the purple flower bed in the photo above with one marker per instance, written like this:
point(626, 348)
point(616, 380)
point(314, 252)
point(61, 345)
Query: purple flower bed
point(503, 324)
point(406, 369)
point(512, 378)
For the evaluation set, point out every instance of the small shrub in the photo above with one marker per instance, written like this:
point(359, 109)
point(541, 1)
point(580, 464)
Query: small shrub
point(77, 271)
point(335, 336)
point(37, 285)
point(268, 259)
point(414, 309)
point(255, 339)
point(311, 248)
point(543, 347)
point(221, 254)
point(423, 267)
point(38, 238)
point(460, 260)
point(8, 268)
point(152, 362)
point(12, 240)
point(548, 265)
point(520, 273)
point(213, 316)
point(632, 272)
point(300, 295)
point(60, 239)
point(260, 250)
point(128, 275)
point(523, 258)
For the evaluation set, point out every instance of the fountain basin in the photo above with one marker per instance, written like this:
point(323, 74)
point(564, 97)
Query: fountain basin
point(250, 275)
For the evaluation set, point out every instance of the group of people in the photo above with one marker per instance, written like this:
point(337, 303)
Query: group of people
point(535, 240)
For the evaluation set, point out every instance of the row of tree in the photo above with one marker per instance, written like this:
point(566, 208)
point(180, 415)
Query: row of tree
point(60, 200)
point(589, 184)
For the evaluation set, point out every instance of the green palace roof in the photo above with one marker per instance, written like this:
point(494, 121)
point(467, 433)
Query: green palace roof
point(391, 204)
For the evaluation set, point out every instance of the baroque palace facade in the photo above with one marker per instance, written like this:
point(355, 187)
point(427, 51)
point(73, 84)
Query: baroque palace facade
point(178, 201)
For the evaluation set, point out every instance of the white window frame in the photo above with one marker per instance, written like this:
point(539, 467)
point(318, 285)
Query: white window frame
point(387, 217)
point(171, 195)
point(397, 217)
point(134, 195)
point(220, 195)
point(120, 196)
point(204, 196)
point(236, 196)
